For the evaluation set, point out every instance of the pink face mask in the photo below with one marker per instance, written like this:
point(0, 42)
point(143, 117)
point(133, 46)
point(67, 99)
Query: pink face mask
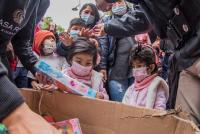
point(80, 70)
point(140, 73)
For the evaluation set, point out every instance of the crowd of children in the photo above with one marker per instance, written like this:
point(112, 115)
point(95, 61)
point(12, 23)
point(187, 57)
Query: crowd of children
point(127, 70)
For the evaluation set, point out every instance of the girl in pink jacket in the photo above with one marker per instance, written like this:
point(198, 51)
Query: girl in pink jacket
point(149, 90)
point(82, 58)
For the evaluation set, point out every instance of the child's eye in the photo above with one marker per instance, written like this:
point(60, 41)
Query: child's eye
point(79, 62)
point(89, 64)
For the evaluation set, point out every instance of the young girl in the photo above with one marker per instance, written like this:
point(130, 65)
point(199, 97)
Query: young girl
point(44, 48)
point(149, 90)
point(82, 58)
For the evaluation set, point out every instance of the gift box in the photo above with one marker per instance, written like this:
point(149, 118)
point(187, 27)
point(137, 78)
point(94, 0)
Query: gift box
point(64, 82)
point(71, 126)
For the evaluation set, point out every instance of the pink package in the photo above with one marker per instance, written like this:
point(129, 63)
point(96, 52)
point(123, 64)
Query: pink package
point(71, 126)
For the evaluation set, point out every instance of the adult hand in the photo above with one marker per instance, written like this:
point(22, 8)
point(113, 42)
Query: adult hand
point(50, 87)
point(43, 79)
point(24, 121)
point(36, 86)
point(98, 30)
point(66, 39)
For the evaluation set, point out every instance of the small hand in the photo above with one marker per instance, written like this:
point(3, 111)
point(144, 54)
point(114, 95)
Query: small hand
point(98, 30)
point(99, 95)
point(66, 39)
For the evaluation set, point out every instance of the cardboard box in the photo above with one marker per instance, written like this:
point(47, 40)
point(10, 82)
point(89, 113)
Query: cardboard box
point(103, 117)
point(65, 82)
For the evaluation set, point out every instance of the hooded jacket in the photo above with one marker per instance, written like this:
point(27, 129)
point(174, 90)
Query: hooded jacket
point(40, 36)
point(17, 23)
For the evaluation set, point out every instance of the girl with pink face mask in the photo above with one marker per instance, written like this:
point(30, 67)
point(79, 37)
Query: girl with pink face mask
point(83, 58)
point(149, 90)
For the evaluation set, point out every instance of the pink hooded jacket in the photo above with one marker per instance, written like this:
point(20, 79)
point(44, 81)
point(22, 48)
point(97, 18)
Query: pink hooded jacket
point(154, 94)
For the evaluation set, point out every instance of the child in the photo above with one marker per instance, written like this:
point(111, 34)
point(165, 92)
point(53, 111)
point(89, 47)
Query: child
point(66, 38)
point(82, 58)
point(44, 47)
point(148, 90)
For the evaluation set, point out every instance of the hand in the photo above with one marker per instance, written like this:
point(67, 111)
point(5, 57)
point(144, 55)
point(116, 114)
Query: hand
point(99, 95)
point(66, 39)
point(50, 87)
point(24, 121)
point(105, 77)
point(36, 86)
point(43, 79)
point(95, 42)
point(98, 30)
point(86, 33)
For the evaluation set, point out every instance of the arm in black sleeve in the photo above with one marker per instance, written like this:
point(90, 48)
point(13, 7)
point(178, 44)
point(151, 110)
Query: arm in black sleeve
point(132, 23)
point(104, 45)
point(62, 50)
point(22, 41)
point(10, 98)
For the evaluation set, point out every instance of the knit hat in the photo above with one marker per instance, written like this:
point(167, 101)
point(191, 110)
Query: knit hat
point(39, 38)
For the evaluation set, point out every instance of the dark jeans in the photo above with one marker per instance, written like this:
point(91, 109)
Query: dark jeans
point(20, 77)
point(117, 88)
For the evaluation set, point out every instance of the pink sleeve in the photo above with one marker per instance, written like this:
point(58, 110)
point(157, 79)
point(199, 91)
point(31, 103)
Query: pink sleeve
point(103, 91)
point(161, 100)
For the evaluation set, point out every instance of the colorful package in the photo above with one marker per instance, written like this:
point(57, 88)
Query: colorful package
point(3, 129)
point(64, 82)
point(69, 126)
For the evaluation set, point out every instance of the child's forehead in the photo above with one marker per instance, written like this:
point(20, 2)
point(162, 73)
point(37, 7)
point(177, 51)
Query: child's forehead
point(49, 37)
point(138, 61)
point(77, 26)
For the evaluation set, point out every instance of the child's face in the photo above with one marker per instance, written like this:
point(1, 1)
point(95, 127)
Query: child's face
point(140, 64)
point(49, 45)
point(76, 27)
point(83, 59)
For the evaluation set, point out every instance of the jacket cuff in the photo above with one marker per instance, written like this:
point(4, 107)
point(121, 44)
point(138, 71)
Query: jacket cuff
point(10, 98)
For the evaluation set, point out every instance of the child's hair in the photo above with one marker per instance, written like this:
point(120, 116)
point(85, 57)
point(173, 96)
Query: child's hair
point(76, 21)
point(95, 12)
point(83, 45)
point(146, 54)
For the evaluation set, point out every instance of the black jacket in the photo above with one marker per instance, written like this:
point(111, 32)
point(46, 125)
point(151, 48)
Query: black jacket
point(17, 23)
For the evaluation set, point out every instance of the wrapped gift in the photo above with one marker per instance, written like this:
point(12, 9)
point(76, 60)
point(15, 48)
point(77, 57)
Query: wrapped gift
point(69, 126)
point(64, 82)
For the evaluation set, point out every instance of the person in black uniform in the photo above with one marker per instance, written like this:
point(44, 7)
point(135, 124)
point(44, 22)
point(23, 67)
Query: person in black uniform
point(178, 21)
point(17, 23)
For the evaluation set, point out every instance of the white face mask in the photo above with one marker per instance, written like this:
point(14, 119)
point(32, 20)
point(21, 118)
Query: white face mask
point(49, 46)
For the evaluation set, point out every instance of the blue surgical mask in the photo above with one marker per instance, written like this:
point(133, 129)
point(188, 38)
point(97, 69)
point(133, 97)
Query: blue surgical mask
point(88, 18)
point(74, 33)
point(119, 9)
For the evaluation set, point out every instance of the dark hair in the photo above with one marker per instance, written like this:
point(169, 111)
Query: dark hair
point(82, 45)
point(94, 10)
point(145, 54)
point(76, 21)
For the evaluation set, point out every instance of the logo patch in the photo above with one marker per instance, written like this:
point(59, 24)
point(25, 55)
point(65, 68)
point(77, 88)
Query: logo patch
point(18, 16)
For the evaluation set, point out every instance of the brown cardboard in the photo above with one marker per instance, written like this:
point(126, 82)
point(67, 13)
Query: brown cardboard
point(102, 117)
